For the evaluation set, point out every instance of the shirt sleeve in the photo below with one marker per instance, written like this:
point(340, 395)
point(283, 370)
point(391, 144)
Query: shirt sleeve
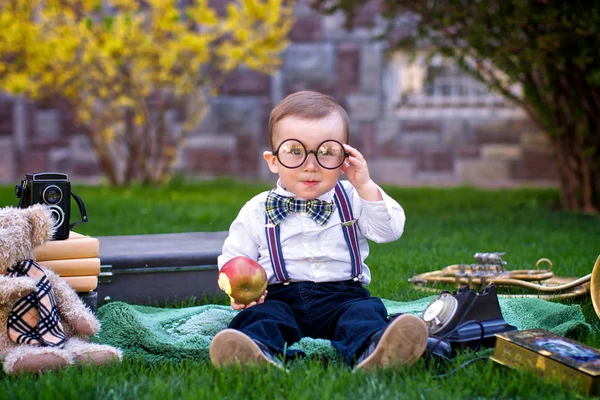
point(380, 221)
point(240, 241)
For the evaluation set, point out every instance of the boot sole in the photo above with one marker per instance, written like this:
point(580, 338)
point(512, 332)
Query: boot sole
point(403, 342)
point(231, 346)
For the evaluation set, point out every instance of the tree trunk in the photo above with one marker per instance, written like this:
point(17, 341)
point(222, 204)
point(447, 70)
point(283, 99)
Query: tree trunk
point(573, 105)
point(107, 164)
point(579, 174)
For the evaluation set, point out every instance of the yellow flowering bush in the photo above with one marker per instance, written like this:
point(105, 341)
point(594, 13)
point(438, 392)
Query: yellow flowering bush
point(123, 64)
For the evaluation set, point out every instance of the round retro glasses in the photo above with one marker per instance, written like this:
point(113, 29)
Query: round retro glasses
point(330, 154)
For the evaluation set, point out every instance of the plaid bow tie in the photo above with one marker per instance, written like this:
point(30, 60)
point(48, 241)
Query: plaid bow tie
point(278, 207)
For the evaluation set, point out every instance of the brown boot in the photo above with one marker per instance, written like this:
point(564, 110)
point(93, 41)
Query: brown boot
point(401, 343)
point(231, 346)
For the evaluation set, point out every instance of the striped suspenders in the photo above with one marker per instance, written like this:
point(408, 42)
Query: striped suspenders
point(350, 235)
point(342, 203)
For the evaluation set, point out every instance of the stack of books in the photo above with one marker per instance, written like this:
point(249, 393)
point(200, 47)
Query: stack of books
point(75, 259)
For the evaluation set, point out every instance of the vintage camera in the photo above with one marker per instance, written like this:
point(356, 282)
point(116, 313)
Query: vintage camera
point(54, 190)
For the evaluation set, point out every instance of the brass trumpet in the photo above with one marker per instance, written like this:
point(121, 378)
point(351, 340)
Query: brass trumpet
point(489, 267)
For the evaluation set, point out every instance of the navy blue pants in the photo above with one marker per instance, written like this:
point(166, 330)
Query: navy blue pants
point(343, 312)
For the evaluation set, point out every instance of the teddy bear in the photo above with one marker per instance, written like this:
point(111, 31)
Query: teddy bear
point(44, 325)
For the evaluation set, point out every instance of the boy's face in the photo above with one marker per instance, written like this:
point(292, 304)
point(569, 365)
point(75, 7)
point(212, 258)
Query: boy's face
point(310, 180)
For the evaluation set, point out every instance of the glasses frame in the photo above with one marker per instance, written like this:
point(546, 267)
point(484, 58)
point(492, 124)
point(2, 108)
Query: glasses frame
point(307, 152)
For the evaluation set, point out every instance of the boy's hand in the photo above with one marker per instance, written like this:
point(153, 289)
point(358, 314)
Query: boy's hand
point(356, 169)
point(237, 306)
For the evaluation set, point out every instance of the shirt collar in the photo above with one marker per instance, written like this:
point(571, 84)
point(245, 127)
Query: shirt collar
point(328, 197)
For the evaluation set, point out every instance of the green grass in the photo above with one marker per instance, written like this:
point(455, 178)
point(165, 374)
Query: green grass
point(444, 226)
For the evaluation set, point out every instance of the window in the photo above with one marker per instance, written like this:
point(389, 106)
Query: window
point(439, 83)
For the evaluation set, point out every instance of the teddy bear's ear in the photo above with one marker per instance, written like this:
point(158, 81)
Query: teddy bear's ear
point(42, 224)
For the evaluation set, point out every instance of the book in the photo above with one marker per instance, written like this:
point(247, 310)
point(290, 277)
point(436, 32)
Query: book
point(74, 266)
point(82, 284)
point(76, 246)
point(551, 356)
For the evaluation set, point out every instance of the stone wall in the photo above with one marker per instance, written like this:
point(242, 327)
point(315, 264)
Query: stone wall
point(406, 146)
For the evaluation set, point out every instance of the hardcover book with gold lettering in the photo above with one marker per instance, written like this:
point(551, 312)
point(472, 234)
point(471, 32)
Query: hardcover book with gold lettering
point(551, 356)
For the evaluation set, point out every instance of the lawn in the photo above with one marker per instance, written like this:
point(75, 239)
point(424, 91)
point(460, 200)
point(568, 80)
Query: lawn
point(444, 226)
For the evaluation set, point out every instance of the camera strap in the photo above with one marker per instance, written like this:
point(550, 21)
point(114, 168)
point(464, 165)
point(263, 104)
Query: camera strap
point(82, 211)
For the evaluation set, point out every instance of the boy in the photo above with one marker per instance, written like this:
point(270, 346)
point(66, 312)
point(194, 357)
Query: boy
point(310, 234)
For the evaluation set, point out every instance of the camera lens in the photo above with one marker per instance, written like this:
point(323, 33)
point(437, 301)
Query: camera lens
point(52, 194)
point(58, 215)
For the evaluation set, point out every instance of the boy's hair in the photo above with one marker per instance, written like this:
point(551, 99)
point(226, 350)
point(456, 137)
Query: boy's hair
point(307, 104)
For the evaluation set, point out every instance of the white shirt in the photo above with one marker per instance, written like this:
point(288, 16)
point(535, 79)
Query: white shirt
point(313, 252)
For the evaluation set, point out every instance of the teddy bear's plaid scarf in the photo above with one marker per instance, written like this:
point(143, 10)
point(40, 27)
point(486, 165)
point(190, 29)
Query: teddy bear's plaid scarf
point(34, 319)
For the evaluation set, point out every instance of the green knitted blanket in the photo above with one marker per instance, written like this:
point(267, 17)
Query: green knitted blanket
point(173, 334)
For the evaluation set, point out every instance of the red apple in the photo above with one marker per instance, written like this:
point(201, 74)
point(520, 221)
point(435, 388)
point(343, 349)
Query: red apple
point(243, 279)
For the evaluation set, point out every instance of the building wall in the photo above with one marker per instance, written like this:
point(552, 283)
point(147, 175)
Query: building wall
point(405, 145)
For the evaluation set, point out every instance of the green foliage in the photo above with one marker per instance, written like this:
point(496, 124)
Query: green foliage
point(548, 49)
point(444, 226)
point(526, 40)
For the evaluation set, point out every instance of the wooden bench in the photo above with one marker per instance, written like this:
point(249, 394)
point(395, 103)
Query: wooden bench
point(154, 268)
